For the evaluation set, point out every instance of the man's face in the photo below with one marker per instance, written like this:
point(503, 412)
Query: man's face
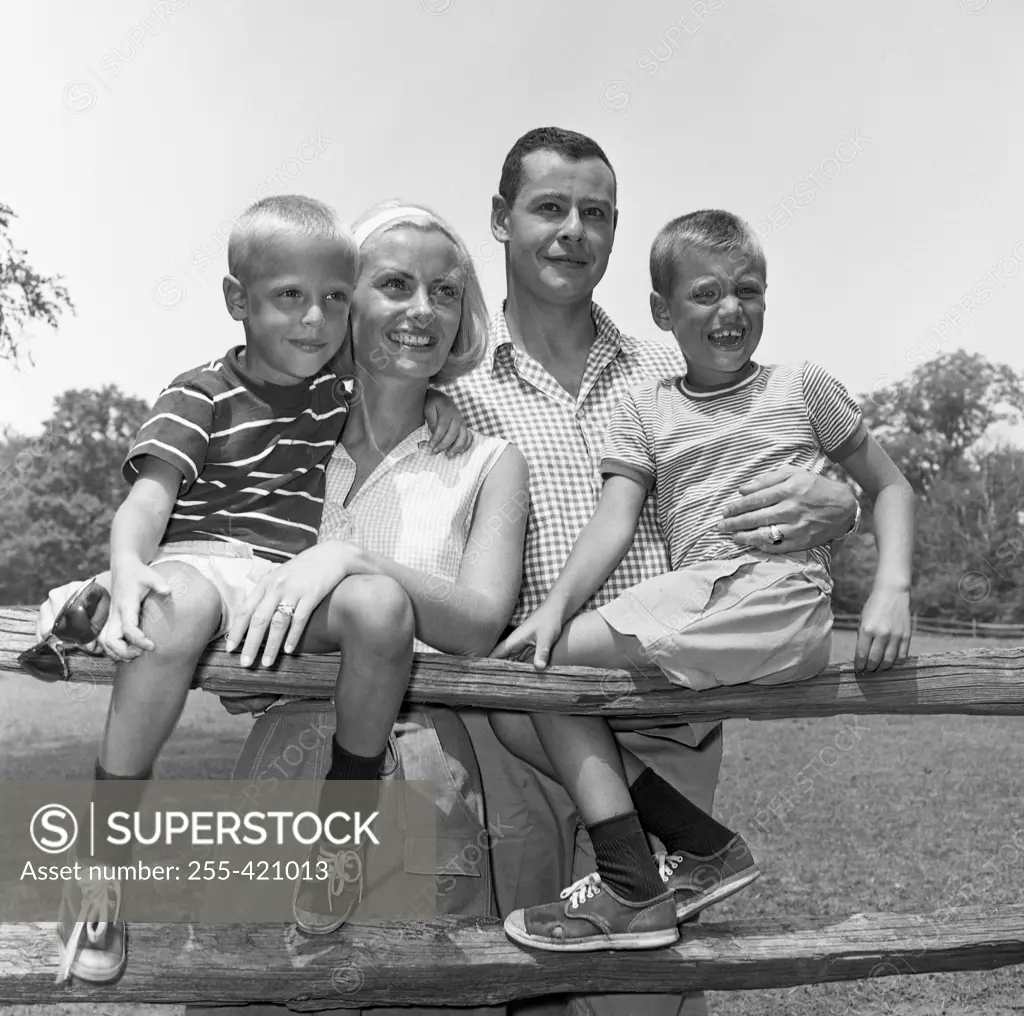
point(560, 228)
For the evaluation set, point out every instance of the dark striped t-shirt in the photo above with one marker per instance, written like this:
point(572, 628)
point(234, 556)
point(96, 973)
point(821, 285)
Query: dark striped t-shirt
point(253, 455)
point(696, 449)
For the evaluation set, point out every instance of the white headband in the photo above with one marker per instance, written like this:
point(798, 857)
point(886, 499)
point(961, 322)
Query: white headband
point(383, 217)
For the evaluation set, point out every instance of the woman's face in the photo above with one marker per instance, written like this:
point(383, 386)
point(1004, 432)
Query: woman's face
point(407, 304)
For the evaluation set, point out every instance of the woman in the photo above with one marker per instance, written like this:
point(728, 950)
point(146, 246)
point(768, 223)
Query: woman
point(418, 317)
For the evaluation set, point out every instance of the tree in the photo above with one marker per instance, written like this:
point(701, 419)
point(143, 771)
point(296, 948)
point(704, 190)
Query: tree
point(929, 424)
point(969, 551)
point(25, 295)
point(59, 491)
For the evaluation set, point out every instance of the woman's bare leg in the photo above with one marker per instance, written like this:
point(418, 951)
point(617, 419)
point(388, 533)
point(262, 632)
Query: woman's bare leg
point(370, 619)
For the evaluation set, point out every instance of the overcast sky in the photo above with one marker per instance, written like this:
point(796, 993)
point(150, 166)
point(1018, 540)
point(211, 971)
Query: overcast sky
point(876, 146)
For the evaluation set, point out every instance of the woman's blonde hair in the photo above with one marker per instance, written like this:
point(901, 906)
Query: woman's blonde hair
point(471, 339)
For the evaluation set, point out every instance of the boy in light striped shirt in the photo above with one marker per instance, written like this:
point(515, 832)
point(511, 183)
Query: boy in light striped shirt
point(725, 614)
point(228, 479)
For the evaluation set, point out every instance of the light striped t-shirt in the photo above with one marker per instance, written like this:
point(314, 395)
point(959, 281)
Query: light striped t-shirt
point(696, 449)
point(415, 508)
point(252, 455)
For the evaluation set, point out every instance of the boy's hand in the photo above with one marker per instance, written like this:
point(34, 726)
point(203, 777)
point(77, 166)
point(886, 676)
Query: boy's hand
point(883, 637)
point(539, 632)
point(448, 430)
point(133, 581)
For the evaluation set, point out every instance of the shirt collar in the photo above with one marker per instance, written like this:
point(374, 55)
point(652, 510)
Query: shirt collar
point(499, 337)
point(407, 446)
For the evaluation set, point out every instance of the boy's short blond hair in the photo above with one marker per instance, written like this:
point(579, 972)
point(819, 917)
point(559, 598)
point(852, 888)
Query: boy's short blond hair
point(262, 222)
point(710, 229)
point(471, 339)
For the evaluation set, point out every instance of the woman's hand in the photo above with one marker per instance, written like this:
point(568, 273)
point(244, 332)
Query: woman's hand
point(301, 584)
point(539, 632)
point(448, 430)
point(883, 637)
point(810, 511)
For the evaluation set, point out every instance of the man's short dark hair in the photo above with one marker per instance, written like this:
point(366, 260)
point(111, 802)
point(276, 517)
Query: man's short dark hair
point(569, 144)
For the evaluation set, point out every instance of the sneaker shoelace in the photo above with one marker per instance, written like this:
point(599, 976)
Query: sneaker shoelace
point(667, 864)
point(582, 889)
point(101, 901)
point(338, 863)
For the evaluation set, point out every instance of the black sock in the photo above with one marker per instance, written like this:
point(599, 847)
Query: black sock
point(675, 819)
point(111, 793)
point(348, 769)
point(624, 859)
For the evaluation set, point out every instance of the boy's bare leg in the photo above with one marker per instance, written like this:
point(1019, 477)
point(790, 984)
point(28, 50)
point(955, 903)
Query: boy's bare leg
point(150, 691)
point(586, 761)
point(148, 696)
point(517, 733)
point(588, 640)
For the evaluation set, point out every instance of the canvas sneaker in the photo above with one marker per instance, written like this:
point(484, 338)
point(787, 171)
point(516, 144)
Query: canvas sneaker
point(593, 917)
point(698, 882)
point(93, 940)
point(325, 901)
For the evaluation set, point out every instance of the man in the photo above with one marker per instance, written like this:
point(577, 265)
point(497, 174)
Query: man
point(556, 366)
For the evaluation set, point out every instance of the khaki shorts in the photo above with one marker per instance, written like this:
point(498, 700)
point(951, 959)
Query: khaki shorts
point(232, 568)
point(757, 617)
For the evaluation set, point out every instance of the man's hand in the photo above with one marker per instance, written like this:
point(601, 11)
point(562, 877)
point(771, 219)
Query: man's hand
point(810, 511)
point(122, 637)
point(539, 632)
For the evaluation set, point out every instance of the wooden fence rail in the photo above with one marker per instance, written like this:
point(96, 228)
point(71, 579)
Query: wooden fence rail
point(452, 961)
point(942, 626)
point(459, 961)
point(978, 681)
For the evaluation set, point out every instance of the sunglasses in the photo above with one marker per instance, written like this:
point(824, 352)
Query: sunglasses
point(77, 623)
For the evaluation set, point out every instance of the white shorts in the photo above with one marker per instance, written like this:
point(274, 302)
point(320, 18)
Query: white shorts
point(764, 618)
point(232, 568)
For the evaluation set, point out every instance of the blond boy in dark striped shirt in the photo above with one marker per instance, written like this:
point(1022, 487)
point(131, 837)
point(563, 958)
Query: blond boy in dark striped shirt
point(228, 478)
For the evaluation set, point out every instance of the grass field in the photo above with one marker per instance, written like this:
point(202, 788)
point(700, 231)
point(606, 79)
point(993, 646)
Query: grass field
point(888, 813)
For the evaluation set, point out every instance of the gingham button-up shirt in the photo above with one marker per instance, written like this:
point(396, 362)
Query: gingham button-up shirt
point(511, 396)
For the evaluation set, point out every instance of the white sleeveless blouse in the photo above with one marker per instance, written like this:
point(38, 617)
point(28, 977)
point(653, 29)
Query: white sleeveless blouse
point(415, 508)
